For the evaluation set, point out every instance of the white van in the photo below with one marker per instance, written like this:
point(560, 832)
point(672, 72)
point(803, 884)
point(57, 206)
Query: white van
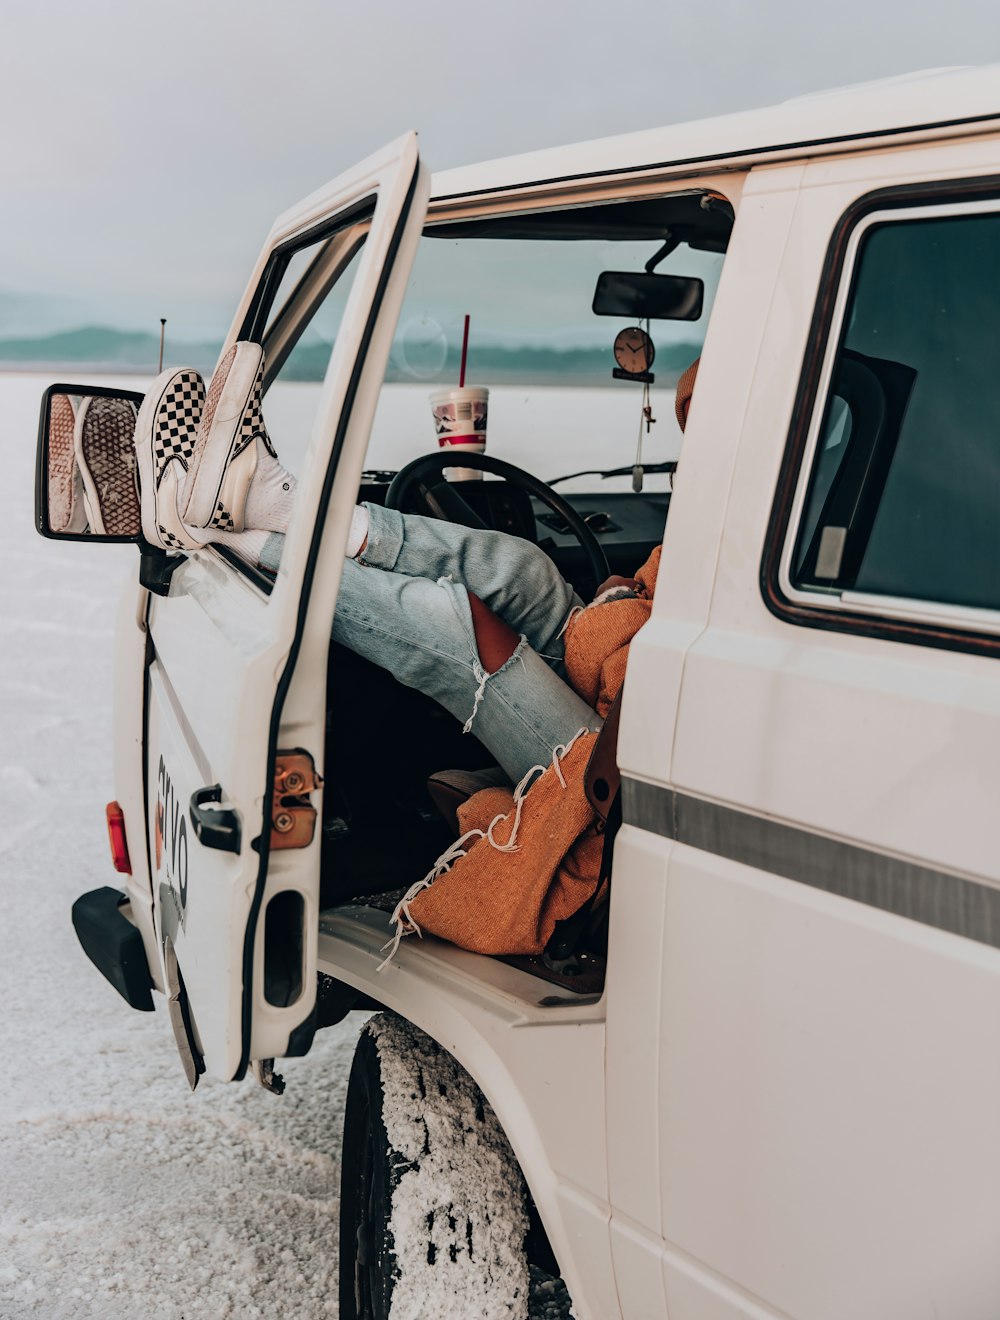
point(769, 1084)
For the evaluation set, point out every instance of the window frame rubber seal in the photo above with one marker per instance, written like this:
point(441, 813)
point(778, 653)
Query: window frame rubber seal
point(820, 615)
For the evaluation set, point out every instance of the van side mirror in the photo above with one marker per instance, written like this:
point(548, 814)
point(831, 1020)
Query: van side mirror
point(86, 486)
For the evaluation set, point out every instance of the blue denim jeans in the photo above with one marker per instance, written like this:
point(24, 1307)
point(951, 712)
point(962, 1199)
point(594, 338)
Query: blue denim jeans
point(404, 604)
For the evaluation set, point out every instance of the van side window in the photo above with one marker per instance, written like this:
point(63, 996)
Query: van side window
point(904, 495)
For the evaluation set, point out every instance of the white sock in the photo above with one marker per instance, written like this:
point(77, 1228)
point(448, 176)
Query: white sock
point(358, 535)
point(247, 545)
point(271, 497)
point(251, 543)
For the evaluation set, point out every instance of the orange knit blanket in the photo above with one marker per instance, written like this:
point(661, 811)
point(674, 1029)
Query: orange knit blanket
point(531, 858)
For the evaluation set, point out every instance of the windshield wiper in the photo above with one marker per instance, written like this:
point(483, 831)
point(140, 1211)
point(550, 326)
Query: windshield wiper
point(614, 472)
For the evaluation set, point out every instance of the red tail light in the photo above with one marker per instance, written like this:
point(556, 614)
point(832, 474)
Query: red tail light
point(116, 837)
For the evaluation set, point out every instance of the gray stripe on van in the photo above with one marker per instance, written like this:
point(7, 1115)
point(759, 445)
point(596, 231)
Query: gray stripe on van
point(936, 898)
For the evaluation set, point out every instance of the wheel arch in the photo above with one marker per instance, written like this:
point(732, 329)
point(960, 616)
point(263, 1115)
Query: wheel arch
point(544, 1079)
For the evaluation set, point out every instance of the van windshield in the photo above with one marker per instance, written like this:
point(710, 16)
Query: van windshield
point(535, 343)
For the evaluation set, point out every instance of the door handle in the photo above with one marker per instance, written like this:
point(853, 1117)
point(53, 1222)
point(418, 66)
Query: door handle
point(215, 828)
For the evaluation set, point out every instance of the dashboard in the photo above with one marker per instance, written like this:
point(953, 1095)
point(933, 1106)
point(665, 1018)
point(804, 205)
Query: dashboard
point(627, 525)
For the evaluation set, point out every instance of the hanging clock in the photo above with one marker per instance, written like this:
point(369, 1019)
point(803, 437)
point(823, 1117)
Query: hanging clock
point(634, 351)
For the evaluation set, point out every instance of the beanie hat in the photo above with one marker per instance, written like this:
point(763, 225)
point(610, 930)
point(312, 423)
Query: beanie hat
point(685, 388)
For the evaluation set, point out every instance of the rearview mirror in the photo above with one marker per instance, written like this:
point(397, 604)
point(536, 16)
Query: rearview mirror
point(86, 487)
point(638, 295)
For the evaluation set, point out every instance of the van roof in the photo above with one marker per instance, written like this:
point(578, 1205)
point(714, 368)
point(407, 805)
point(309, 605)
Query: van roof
point(915, 103)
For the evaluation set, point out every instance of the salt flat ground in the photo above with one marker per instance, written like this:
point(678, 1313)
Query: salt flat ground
point(124, 1195)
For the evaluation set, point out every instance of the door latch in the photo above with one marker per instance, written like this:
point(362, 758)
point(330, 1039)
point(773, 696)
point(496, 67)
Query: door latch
point(293, 817)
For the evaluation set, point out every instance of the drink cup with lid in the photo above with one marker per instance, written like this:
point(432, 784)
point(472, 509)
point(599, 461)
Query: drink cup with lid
point(460, 416)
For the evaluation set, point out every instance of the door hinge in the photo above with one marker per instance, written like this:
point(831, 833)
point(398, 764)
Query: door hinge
point(293, 817)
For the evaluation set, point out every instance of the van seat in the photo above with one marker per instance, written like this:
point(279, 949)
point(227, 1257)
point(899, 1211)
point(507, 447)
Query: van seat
point(448, 789)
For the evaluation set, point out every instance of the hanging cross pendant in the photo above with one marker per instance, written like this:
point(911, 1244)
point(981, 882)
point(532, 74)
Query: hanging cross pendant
point(647, 408)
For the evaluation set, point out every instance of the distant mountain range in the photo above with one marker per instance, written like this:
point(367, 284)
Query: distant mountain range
point(99, 348)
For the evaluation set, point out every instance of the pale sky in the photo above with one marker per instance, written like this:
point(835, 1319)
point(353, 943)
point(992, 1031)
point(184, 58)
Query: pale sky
point(147, 147)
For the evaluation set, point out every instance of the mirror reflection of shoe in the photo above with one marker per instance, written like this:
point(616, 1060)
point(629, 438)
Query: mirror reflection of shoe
point(165, 433)
point(226, 452)
point(105, 457)
point(67, 512)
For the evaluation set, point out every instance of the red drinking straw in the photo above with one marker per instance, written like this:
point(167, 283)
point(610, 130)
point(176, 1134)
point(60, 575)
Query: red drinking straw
point(465, 352)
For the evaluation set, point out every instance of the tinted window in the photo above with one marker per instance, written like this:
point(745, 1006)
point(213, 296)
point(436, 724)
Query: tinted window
point(904, 497)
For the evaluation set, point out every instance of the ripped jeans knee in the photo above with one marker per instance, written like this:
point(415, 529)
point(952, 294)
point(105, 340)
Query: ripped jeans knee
point(423, 633)
point(484, 676)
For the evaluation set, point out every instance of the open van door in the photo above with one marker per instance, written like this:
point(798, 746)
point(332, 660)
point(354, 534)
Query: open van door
point(236, 666)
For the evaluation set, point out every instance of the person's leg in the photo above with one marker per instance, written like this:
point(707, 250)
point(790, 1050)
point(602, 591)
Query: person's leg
point(233, 482)
point(496, 641)
point(424, 633)
point(517, 580)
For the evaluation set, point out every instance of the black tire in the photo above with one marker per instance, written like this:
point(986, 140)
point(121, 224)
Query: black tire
point(421, 1143)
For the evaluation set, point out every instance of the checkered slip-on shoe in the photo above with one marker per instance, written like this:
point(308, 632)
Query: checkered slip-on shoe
point(225, 455)
point(105, 457)
point(165, 432)
point(67, 512)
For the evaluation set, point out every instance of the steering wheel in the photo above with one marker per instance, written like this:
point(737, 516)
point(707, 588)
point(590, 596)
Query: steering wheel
point(443, 500)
